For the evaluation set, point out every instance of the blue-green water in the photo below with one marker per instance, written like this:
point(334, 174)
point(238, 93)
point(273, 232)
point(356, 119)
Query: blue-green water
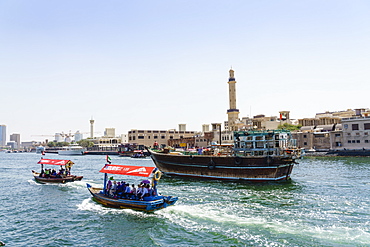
point(327, 203)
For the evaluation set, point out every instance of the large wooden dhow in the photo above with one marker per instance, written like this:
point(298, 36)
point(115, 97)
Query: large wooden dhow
point(254, 156)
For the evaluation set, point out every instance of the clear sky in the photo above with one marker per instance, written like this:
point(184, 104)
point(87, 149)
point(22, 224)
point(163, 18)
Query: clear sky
point(155, 64)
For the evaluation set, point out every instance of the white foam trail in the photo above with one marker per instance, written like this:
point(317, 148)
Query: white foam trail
point(90, 205)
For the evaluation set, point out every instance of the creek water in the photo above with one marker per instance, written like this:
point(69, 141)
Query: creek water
point(326, 203)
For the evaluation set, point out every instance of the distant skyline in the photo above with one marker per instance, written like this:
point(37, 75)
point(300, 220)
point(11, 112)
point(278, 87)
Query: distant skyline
point(154, 65)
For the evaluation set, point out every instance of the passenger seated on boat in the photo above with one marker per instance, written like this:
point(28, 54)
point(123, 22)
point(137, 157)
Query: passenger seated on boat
point(53, 173)
point(61, 171)
point(138, 192)
point(114, 188)
point(133, 192)
point(144, 192)
point(150, 191)
point(127, 191)
point(119, 189)
point(109, 186)
point(47, 173)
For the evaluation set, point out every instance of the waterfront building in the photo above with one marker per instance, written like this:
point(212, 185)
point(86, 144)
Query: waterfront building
point(261, 122)
point(148, 137)
point(335, 117)
point(106, 143)
point(185, 142)
point(16, 138)
point(78, 136)
point(356, 133)
point(204, 140)
point(340, 130)
point(124, 138)
point(2, 135)
point(59, 137)
point(315, 138)
point(110, 132)
point(12, 144)
point(205, 128)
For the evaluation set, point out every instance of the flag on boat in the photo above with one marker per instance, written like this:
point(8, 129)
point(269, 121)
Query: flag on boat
point(140, 171)
point(108, 159)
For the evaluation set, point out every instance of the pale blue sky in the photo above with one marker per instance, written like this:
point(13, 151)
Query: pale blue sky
point(155, 64)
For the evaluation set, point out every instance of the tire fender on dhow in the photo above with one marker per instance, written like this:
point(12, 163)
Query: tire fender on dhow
point(211, 165)
point(238, 160)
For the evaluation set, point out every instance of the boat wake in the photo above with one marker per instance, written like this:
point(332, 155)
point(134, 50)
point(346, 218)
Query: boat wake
point(90, 205)
point(78, 184)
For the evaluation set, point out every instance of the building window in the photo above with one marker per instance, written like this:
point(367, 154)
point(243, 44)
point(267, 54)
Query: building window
point(353, 141)
point(367, 126)
point(305, 143)
point(366, 141)
point(163, 137)
point(304, 136)
point(349, 141)
point(337, 135)
point(354, 126)
point(140, 137)
point(155, 137)
point(358, 141)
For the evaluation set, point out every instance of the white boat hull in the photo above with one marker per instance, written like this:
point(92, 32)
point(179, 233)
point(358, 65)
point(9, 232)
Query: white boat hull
point(71, 152)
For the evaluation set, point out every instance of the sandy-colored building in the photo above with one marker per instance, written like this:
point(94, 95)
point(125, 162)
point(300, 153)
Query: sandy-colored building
point(148, 137)
point(356, 133)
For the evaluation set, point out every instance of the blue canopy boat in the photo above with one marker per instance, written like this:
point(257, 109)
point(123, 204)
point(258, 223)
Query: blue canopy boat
point(150, 203)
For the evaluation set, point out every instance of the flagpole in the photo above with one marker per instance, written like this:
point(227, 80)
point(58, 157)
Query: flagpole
point(105, 183)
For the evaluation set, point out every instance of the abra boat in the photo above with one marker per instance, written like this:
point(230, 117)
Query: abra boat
point(63, 176)
point(147, 204)
point(255, 156)
point(72, 149)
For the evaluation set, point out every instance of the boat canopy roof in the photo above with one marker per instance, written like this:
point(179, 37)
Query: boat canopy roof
point(260, 132)
point(55, 162)
point(140, 171)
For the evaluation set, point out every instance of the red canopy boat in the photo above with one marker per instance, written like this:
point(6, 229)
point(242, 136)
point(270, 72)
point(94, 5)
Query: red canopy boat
point(148, 204)
point(62, 176)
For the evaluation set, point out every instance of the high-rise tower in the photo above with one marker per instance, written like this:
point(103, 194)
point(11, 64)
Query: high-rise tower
point(233, 113)
point(92, 128)
point(2, 135)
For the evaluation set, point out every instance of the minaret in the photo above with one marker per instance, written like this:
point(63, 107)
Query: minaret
point(92, 128)
point(233, 113)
